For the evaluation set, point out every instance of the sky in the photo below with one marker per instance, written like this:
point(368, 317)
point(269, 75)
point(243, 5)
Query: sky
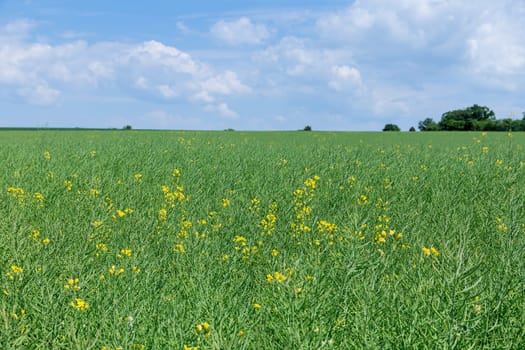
point(257, 64)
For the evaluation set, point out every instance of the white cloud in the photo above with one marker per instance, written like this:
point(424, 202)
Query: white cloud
point(308, 64)
point(239, 32)
point(157, 55)
point(41, 94)
point(224, 84)
point(16, 30)
point(344, 77)
point(38, 73)
point(496, 51)
point(223, 109)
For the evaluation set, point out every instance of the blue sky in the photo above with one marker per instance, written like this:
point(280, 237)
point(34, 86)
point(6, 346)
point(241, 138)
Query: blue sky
point(258, 64)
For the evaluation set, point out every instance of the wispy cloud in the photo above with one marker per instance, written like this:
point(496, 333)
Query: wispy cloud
point(241, 31)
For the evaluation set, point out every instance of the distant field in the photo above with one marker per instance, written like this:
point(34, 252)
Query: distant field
point(261, 240)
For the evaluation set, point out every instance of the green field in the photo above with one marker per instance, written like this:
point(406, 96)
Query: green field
point(261, 240)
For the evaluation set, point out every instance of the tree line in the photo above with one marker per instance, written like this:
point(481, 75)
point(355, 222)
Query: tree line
point(474, 118)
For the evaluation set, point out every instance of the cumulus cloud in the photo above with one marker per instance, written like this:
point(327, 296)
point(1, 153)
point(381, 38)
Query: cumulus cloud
point(496, 49)
point(239, 32)
point(225, 84)
point(38, 73)
point(223, 109)
point(310, 64)
point(344, 76)
point(40, 94)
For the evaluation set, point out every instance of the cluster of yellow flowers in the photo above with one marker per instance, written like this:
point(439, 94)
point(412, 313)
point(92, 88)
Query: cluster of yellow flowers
point(430, 251)
point(121, 213)
point(276, 277)
point(269, 221)
point(79, 304)
point(173, 197)
point(72, 284)
point(501, 225)
point(25, 197)
point(302, 198)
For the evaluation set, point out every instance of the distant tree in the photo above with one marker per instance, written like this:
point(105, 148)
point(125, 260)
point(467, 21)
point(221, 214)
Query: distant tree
point(475, 118)
point(307, 128)
point(470, 118)
point(428, 125)
point(391, 127)
point(412, 129)
point(127, 127)
point(504, 124)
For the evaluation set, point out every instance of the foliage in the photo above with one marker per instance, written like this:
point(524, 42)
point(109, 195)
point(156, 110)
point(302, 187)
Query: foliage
point(214, 240)
point(474, 118)
point(466, 119)
point(391, 127)
point(412, 129)
point(428, 125)
point(307, 128)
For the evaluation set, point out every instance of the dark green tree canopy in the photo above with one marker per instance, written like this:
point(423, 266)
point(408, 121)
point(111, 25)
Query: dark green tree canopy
point(428, 125)
point(474, 118)
point(471, 118)
point(391, 127)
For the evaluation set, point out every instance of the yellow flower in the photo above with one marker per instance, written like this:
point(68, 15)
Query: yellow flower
point(72, 283)
point(275, 252)
point(279, 277)
point(79, 304)
point(126, 252)
point(47, 155)
point(426, 251)
point(46, 240)
point(179, 248)
point(362, 200)
point(225, 203)
point(39, 197)
point(138, 177)
point(163, 214)
point(35, 234)
point(241, 333)
point(256, 306)
point(68, 184)
point(97, 224)
point(434, 251)
point(16, 269)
